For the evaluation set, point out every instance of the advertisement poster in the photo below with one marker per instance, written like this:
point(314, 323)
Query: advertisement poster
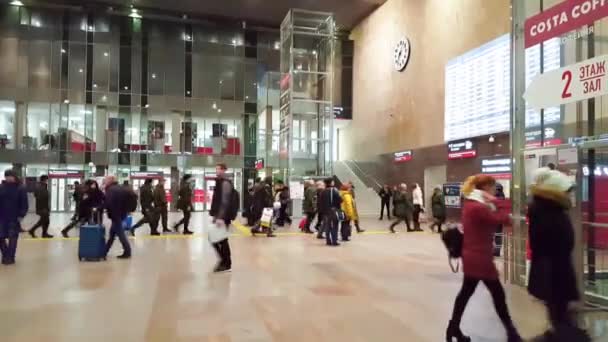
point(451, 193)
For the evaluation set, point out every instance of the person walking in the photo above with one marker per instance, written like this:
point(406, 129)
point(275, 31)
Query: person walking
point(184, 203)
point(262, 198)
point(331, 202)
point(403, 207)
point(116, 201)
point(552, 275)
point(418, 200)
point(309, 205)
point(220, 211)
point(146, 202)
point(282, 196)
point(91, 204)
point(13, 208)
point(480, 217)
point(41, 194)
point(350, 212)
point(160, 205)
point(385, 201)
point(438, 208)
point(77, 198)
point(356, 213)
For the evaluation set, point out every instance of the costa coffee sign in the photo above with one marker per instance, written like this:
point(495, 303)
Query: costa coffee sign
point(462, 149)
point(402, 157)
point(562, 18)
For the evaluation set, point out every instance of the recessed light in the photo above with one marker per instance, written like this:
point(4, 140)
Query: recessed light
point(154, 76)
point(246, 97)
point(80, 71)
point(219, 110)
point(126, 88)
point(147, 106)
point(214, 105)
point(188, 92)
point(63, 51)
point(95, 85)
point(234, 41)
point(104, 98)
point(106, 54)
point(91, 28)
point(66, 101)
point(16, 3)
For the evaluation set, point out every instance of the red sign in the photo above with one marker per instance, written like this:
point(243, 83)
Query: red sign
point(562, 18)
point(401, 157)
point(66, 174)
point(462, 155)
point(259, 164)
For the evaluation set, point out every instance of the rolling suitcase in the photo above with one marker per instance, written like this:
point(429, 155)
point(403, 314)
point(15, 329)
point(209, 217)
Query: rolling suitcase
point(92, 242)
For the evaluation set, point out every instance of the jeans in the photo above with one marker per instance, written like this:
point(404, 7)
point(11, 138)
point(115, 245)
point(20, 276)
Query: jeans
point(162, 214)
point(399, 220)
point(330, 223)
point(118, 230)
point(9, 234)
point(345, 230)
point(387, 205)
point(469, 285)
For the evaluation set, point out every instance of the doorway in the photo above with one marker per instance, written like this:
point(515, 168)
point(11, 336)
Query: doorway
point(434, 176)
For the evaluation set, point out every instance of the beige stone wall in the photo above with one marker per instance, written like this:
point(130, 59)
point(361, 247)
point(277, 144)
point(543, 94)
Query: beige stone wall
point(404, 110)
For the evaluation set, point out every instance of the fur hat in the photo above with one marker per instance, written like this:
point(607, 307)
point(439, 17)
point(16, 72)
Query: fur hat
point(552, 185)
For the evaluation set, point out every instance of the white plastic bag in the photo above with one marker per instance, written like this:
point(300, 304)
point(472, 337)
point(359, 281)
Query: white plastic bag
point(266, 220)
point(218, 232)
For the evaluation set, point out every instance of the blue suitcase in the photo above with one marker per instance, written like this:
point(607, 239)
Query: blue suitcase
point(92, 243)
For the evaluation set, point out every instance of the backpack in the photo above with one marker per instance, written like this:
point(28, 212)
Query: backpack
point(235, 204)
point(131, 198)
point(453, 240)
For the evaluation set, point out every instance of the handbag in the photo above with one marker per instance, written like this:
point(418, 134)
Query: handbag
point(217, 233)
point(266, 219)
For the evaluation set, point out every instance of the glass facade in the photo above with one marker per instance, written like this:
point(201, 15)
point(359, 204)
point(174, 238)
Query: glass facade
point(569, 130)
point(101, 92)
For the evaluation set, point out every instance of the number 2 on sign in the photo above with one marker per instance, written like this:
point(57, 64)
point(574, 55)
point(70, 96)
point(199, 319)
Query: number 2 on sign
point(567, 76)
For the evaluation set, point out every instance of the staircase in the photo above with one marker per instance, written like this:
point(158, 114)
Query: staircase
point(368, 202)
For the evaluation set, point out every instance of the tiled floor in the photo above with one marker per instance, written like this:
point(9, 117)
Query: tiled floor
point(378, 287)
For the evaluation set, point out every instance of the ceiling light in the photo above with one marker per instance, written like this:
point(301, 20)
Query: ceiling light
point(147, 106)
point(219, 110)
point(16, 3)
point(8, 109)
point(126, 88)
point(63, 51)
point(185, 16)
point(91, 28)
point(36, 23)
point(134, 13)
point(314, 52)
point(104, 98)
point(95, 85)
point(154, 76)
point(277, 46)
point(80, 71)
point(221, 81)
point(214, 105)
point(106, 54)
point(246, 97)
point(66, 101)
point(234, 42)
point(188, 92)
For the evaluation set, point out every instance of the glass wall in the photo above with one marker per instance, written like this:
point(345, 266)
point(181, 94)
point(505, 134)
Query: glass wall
point(79, 82)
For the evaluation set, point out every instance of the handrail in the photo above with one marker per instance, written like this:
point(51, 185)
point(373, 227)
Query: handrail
point(365, 174)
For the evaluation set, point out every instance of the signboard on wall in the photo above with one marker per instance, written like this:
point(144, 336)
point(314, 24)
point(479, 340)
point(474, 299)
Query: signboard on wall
point(146, 174)
point(498, 167)
point(562, 18)
point(553, 133)
point(403, 156)
point(462, 149)
point(66, 174)
point(451, 194)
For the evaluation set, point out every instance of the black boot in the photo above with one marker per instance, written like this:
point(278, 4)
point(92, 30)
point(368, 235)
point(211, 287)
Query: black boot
point(454, 332)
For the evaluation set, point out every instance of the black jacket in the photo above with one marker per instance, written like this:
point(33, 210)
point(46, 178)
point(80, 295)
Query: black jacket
point(262, 198)
point(329, 201)
point(91, 199)
point(160, 198)
point(385, 195)
point(116, 202)
point(219, 202)
point(552, 274)
point(146, 197)
point(184, 201)
point(42, 199)
point(13, 204)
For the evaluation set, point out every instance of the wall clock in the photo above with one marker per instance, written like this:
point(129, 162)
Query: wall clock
point(402, 54)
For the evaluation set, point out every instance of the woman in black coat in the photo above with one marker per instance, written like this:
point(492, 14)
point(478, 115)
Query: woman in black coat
point(552, 275)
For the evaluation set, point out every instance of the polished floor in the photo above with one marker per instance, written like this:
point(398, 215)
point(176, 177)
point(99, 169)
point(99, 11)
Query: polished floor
point(378, 287)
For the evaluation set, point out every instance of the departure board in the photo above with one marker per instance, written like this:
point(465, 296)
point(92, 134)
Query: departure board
point(477, 88)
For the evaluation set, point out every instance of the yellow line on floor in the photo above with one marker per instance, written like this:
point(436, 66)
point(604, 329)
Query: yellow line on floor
point(241, 228)
point(146, 237)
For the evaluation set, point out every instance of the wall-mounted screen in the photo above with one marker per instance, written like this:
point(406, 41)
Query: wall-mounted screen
point(477, 88)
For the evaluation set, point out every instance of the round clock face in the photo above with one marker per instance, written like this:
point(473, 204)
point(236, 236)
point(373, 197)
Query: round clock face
point(402, 54)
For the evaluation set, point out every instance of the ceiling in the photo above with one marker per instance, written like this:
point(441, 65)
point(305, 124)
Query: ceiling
point(266, 12)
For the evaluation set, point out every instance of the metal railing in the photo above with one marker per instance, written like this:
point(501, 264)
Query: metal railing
point(365, 177)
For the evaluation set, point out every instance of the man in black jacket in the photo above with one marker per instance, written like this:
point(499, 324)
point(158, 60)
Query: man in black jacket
point(184, 203)
point(220, 211)
point(330, 202)
point(146, 201)
point(42, 208)
point(385, 201)
point(117, 198)
point(13, 208)
point(160, 205)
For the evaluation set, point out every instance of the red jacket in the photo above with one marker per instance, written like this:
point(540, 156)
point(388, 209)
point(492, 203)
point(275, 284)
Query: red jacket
point(479, 225)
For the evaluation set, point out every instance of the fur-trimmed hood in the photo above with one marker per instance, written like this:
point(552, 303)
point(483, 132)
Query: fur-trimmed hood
point(552, 185)
point(559, 197)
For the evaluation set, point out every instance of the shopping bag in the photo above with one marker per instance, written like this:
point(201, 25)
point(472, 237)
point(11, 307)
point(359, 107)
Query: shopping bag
point(217, 232)
point(266, 220)
point(302, 223)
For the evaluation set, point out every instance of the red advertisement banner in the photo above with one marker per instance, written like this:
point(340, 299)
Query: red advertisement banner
point(562, 18)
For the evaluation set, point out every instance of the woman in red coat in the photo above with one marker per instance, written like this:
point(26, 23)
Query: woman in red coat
point(480, 218)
